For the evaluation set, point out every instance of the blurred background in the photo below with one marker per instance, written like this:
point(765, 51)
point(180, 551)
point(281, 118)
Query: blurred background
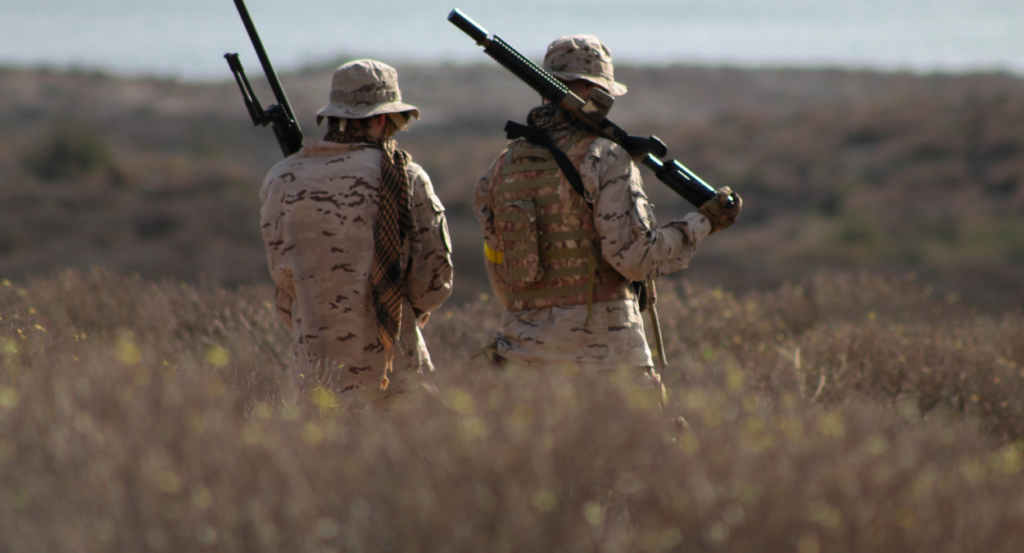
point(877, 135)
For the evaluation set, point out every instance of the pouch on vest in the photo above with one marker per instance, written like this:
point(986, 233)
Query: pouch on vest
point(516, 224)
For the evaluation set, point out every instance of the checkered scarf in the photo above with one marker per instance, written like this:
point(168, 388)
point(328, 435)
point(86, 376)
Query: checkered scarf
point(394, 224)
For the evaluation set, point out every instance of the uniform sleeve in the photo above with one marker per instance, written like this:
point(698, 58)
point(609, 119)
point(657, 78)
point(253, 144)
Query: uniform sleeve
point(271, 215)
point(631, 241)
point(429, 279)
point(485, 214)
point(482, 204)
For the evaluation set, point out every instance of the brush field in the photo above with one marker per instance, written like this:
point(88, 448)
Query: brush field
point(840, 170)
point(832, 405)
point(839, 413)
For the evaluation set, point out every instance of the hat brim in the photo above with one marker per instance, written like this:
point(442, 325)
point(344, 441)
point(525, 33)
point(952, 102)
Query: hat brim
point(359, 112)
point(614, 88)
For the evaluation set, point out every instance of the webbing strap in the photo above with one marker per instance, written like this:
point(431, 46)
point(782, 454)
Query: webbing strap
point(551, 274)
point(550, 237)
point(550, 219)
point(569, 253)
point(551, 255)
point(527, 184)
point(514, 236)
point(539, 201)
point(508, 217)
point(546, 237)
point(544, 293)
point(528, 166)
point(521, 152)
point(546, 200)
point(537, 136)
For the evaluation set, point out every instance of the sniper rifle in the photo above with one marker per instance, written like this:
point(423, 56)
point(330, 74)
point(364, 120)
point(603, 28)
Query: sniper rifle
point(279, 116)
point(593, 112)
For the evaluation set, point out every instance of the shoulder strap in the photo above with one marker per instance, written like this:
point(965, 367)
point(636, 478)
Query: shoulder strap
point(539, 137)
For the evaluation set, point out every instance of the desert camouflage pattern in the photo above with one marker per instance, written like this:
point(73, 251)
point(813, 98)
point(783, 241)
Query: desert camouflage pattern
point(583, 57)
point(547, 233)
point(517, 227)
point(318, 218)
point(364, 88)
point(630, 243)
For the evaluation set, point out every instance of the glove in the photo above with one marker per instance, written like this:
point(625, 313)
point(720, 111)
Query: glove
point(722, 210)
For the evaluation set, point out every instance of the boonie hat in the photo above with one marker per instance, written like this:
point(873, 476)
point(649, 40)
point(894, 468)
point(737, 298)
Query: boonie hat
point(364, 88)
point(583, 57)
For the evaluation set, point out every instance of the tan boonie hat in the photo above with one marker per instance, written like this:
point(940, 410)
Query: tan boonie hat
point(364, 88)
point(583, 57)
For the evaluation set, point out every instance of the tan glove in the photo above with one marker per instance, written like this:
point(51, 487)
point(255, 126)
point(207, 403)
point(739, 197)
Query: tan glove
point(722, 210)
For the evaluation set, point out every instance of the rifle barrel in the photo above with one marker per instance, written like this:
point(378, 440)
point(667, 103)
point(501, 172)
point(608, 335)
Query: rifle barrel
point(680, 179)
point(268, 68)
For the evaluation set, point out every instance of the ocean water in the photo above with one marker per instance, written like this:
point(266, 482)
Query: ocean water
point(187, 38)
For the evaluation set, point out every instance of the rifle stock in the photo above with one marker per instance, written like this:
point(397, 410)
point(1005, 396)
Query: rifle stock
point(592, 112)
point(279, 116)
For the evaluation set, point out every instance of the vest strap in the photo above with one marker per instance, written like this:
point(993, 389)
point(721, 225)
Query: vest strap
point(527, 184)
point(552, 255)
point(546, 200)
point(550, 237)
point(527, 151)
point(515, 236)
point(551, 274)
point(508, 217)
point(552, 219)
point(544, 293)
point(559, 255)
point(528, 166)
point(547, 237)
point(548, 219)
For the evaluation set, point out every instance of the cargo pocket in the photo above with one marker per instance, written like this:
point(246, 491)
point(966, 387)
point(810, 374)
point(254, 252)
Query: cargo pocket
point(516, 224)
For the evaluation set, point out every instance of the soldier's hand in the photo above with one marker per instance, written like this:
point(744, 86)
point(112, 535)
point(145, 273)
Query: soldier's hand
point(722, 210)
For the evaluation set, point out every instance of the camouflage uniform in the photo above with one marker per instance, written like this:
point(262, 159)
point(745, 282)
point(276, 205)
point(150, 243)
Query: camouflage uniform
point(319, 216)
point(553, 319)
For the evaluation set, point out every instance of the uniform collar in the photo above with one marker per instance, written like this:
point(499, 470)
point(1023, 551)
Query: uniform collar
point(314, 147)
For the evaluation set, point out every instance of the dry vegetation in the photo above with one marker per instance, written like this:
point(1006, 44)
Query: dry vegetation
point(842, 170)
point(834, 413)
point(840, 414)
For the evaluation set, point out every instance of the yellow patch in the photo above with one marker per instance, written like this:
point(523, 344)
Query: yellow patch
point(494, 256)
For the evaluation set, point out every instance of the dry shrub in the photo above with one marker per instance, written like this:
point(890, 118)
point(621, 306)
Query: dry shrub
point(144, 417)
point(834, 338)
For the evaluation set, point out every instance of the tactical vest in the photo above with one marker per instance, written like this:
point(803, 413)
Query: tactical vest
point(549, 252)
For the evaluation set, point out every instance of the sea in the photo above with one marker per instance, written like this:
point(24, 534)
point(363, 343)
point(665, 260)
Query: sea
point(186, 39)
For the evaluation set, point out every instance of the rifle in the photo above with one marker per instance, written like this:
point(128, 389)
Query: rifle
point(279, 116)
point(593, 113)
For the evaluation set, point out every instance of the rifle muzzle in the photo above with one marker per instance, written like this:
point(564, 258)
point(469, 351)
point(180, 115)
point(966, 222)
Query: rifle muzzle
point(468, 26)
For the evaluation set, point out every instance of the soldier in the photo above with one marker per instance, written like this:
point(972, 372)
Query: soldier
point(357, 243)
point(562, 264)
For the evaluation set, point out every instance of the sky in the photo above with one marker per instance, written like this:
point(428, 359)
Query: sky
point(187, 38)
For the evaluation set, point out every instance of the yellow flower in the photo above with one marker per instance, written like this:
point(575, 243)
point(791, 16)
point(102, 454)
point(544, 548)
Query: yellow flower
point(217, 356)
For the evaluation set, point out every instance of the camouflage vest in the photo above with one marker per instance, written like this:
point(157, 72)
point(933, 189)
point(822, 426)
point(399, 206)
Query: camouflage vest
point(549, 252)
